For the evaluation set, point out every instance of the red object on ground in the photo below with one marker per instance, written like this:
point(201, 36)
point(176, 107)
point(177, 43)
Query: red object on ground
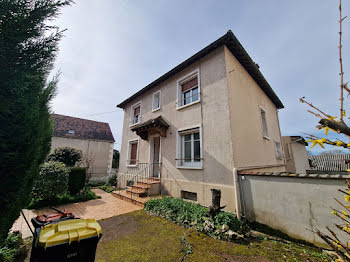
point(53, 216)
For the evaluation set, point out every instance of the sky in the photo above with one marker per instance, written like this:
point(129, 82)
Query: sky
point(113, 48)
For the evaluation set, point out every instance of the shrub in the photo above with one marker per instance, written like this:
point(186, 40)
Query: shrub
point(107, 188)
point(51, 182)
point(225, 224)
point(229, 219)
point(65, 198)
point(13, 247)
point(177, 210)
point(77, 178)
point(67, 155)
point(112, 181)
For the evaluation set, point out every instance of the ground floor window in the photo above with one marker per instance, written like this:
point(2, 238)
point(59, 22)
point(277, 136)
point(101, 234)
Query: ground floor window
point(189, 148)
point(133, 152)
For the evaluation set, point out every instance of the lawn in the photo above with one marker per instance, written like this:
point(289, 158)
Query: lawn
point(138, 236)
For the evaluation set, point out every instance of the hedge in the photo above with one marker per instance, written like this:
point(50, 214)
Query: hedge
point(77, 178)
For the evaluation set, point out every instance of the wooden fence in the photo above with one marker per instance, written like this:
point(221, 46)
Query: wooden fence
point(339, 162)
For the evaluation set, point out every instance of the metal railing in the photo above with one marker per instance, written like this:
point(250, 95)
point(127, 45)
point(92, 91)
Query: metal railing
point(142, 172)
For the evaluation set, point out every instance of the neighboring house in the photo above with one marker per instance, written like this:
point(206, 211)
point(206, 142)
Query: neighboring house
point(297, 160)
point(336, 162)
point(95, 139)
point(207, 117)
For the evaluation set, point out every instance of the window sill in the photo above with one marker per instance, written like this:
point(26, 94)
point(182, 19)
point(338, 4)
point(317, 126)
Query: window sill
point(190, 104)
point(135, 124)
point(190, 167)
point(155, 110)
point(266, 137)
point(132, 165)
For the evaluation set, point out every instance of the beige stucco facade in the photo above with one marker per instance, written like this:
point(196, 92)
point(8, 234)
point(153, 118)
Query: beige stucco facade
point(297, 160)
point(229, 120)
point(98, 154)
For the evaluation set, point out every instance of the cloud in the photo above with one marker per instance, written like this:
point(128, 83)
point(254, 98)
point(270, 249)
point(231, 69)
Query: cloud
point(113, 48)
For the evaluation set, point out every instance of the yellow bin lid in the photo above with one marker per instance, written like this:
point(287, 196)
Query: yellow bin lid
point(68, 231)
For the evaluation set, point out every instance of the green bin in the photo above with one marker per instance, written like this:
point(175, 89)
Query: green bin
point(69, 240)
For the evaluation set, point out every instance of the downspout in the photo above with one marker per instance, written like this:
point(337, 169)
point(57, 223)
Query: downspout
point(237, 194)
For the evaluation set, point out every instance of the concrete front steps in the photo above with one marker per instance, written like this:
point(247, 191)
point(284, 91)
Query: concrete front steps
point(140, 192)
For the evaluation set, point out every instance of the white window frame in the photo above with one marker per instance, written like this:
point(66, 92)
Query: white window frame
point(132, 113)
point(130, 142)
point(180, 149)
point(160, 100)
point(278, 150)
point(262, 123)
point(183, 80)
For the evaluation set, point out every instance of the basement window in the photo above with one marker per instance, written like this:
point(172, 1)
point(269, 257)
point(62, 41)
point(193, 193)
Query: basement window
point(71, 132)
point(188, 195)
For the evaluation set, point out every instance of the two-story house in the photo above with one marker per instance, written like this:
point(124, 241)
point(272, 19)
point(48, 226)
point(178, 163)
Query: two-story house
point(207, 117)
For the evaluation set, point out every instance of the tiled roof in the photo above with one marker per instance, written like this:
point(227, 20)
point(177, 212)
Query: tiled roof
point(232, 43)
point(73, 127)
point(288, 174)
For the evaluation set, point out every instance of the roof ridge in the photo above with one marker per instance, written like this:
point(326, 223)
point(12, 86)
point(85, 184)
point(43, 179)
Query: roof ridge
point(80, 118)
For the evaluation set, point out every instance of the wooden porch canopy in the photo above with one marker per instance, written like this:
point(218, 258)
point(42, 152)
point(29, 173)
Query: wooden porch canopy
point(151, 127)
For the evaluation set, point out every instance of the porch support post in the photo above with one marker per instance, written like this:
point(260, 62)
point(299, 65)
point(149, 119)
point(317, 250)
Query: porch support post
point(237, 194)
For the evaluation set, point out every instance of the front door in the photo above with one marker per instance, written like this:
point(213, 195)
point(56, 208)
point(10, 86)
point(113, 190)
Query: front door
point(156, 151)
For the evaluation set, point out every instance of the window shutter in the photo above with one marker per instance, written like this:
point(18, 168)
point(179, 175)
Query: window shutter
point(136, 110)
point(133, 154)
point(190, 84)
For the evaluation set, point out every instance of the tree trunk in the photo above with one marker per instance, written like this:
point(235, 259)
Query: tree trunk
point(215, 208)
point(340, 127)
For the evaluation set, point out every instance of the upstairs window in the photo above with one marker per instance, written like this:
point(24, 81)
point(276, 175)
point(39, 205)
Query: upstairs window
point(278, 150)
point(135, 117)
point(156, 101)
point(188, 89)
point(265, 131)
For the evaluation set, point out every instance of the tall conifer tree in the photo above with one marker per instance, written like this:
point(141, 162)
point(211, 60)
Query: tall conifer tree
point(28, 47)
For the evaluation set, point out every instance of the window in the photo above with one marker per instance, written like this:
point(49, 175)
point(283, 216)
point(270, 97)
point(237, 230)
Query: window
point(189, 195)
point(265, 131)
point(189, 150)
point(156, 101)
point(133, 153)
point(135, 116)
point(71, 132)
point(278, 150)
point(287, 151)
point(188, 89)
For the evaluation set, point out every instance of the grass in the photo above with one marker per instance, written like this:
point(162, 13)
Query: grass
point(85, 195)
point(138, 236)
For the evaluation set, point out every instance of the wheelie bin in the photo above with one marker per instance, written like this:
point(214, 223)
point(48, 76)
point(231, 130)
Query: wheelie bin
point(67, 240)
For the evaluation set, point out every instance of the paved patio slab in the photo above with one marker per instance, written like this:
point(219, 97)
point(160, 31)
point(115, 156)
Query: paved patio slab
point(105, 207)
